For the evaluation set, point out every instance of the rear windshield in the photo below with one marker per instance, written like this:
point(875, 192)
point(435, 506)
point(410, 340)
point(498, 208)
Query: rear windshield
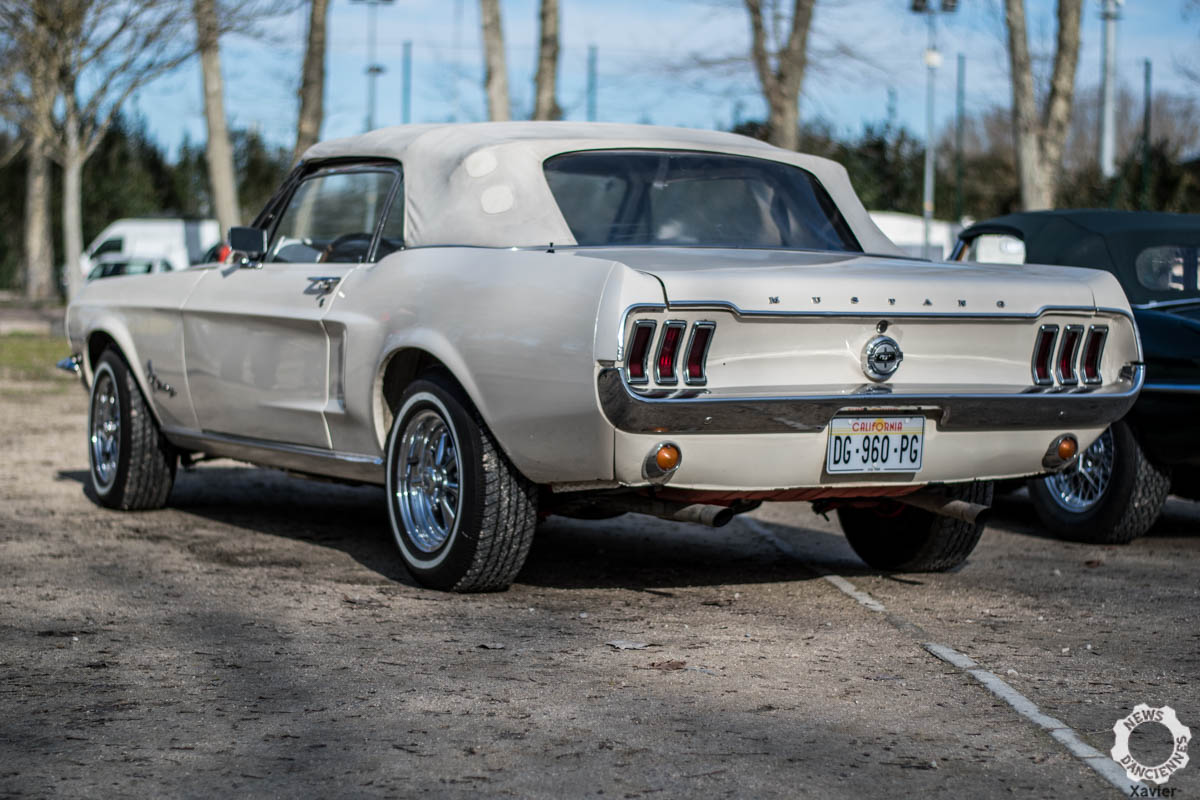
point(648, 197)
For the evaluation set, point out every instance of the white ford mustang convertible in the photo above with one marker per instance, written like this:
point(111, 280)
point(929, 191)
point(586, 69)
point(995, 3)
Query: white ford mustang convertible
point(505, 319)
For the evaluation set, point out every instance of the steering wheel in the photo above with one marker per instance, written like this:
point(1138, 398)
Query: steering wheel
point(357, 241)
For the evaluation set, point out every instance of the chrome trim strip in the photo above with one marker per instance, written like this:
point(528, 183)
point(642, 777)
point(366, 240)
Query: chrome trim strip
point(724, 304)
point(1072, 359)
point(1037, 348)
point(711, 327)
point(301, 458)
point(1173, 388)
point(671, 324)
point(641, 323)
point(1030, 408)
point(1102, 332)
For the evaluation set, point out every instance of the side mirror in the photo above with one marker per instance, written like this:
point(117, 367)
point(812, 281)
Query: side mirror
point(251, 241)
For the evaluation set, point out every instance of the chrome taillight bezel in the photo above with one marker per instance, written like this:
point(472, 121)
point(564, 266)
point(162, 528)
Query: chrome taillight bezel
point(1097, 333)
point(672, 379)
point(1046, 360)
point(711, 329)
point(648, 325)
point(1072, 338)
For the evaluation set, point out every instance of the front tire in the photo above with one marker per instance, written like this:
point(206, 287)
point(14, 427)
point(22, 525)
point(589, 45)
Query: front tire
point(899, 538)
point(132, 464)
point(1112, 494)
point(462, 516)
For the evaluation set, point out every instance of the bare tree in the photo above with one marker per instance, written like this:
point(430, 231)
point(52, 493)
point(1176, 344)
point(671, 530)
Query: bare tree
point(780, 64)
point(545, 104)
point(218, 151)
point(27, 68)
point(312, 81)
point(1040, 136)
point(496, 70)
point(108, 47)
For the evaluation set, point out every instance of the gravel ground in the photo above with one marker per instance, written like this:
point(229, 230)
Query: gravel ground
point(258, 637)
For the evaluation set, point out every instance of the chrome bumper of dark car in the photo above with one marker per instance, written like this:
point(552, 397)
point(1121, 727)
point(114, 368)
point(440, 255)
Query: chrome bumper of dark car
point(1035, 407)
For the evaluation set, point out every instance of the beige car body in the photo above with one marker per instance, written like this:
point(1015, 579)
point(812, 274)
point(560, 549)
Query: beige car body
point(300, 366)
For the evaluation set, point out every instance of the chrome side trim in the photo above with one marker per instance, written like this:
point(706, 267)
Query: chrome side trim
point(300, 458)
point(1027, 408)
point(1173, 388)
point(1186, 301)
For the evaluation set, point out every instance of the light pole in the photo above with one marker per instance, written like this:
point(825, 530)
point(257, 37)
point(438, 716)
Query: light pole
point(933, 60)
point(374, 70)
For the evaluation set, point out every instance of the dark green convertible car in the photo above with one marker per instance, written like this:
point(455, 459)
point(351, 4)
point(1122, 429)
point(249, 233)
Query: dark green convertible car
point(1116, 489)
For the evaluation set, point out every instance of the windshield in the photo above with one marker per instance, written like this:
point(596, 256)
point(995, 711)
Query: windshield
point(686, 199)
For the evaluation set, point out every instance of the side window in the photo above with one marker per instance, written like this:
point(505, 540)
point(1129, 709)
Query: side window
point(1169, 268)
point(114, 245)
point(391, 238)
point(996, 248)
point(331, 218)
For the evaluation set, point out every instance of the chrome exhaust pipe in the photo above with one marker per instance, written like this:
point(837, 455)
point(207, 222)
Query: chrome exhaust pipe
point(933, 502)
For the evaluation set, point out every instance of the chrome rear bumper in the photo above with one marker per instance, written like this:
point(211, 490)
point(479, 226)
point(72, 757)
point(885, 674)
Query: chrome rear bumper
point(991, 408)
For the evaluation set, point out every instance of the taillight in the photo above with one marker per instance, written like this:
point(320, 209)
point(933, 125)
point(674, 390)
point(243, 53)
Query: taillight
point(697, 353)
point(639, 349)
point(1043, 355)
point(1068, 351)
point(1092, 351)
point(668, 349)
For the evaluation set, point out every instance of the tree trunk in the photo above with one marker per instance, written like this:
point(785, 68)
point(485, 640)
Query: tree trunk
point(496, 71)
point(218, 151)
point(782, 81)
point(312, 83)
point(1039, 138)
point(545, 104)
point(39, 249)
point(72, 214)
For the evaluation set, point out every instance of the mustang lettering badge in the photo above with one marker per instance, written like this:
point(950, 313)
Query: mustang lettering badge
point(881, 358)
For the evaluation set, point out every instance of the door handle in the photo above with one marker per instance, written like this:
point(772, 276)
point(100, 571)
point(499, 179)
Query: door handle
point(322, 284)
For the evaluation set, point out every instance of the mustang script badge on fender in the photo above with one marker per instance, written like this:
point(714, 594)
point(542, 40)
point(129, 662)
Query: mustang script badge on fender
point(881, 358)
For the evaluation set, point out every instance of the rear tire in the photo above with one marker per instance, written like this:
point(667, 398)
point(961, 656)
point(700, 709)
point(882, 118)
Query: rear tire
point(1130, 498)
point(899, 538)
point(462, 516)
point(132, 464)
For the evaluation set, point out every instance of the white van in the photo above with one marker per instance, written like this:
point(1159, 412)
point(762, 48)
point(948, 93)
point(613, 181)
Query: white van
point(178, 242)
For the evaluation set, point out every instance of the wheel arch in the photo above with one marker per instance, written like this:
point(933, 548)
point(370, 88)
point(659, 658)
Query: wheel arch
point(400, 366)
point(102, 338)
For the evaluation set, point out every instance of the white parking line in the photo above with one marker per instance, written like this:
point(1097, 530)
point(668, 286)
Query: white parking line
point(1101, 764)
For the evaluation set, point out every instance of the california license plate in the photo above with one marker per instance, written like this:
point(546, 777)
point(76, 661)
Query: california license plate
point(875, 444)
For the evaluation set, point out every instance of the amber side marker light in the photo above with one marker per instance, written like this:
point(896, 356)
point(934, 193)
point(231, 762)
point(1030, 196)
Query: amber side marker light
point(1061, 451)
point(667, 457)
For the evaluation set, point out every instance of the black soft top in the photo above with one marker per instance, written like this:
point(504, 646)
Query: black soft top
point(1097, 238)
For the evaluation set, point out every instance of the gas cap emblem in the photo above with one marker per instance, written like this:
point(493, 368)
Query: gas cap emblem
point(881, 358)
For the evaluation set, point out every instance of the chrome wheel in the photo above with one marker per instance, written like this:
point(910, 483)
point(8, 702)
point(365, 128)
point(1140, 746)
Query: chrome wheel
point(105, 429)
point(427, 490)
point(1082, 485)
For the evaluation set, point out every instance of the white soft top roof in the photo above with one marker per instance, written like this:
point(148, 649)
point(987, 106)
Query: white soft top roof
point(482, 183)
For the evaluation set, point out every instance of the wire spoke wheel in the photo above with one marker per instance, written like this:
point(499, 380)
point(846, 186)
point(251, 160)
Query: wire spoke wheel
point(1082, 485)
point(427, 494)
point(105, 438)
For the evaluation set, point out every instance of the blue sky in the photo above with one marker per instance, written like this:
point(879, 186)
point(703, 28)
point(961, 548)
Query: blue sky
point(645, 48)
